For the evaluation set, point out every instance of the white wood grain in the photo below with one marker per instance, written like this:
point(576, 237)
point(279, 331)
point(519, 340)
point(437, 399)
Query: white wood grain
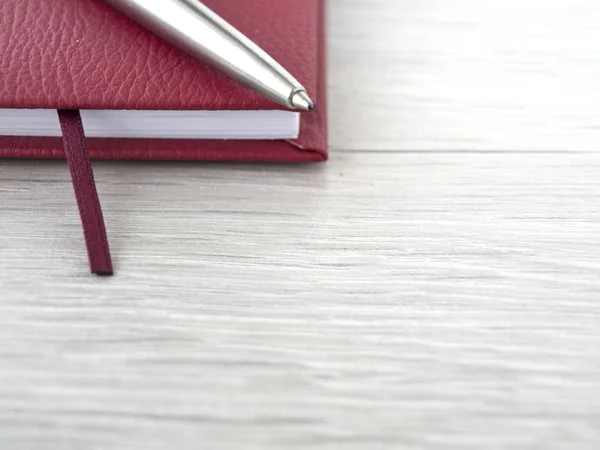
point(388, 299)
point(383, 301)
point(465, 74)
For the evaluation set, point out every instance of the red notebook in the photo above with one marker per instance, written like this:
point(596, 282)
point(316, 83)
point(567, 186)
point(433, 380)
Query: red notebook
point(83, 56)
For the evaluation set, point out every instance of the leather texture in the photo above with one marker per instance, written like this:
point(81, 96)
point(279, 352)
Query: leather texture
point(84, 185)
point(82, 54)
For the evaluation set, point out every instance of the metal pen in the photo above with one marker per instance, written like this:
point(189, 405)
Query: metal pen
point(200, 32)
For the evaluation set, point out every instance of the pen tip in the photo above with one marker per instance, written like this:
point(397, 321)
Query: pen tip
point(302, 101)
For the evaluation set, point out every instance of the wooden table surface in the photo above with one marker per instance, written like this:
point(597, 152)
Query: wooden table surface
point(436, 285)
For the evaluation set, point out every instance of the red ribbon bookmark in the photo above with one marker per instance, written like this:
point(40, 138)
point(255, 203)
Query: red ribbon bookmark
point(88, 202)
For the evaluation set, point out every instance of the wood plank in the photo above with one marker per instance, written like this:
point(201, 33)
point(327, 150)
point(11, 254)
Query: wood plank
point(465, 74)
point(385, 300)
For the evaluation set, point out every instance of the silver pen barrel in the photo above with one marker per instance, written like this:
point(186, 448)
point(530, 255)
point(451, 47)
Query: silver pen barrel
point(200, 32)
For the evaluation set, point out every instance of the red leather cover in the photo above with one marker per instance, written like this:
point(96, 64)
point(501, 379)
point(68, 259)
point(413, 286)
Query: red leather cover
point(112, 63)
